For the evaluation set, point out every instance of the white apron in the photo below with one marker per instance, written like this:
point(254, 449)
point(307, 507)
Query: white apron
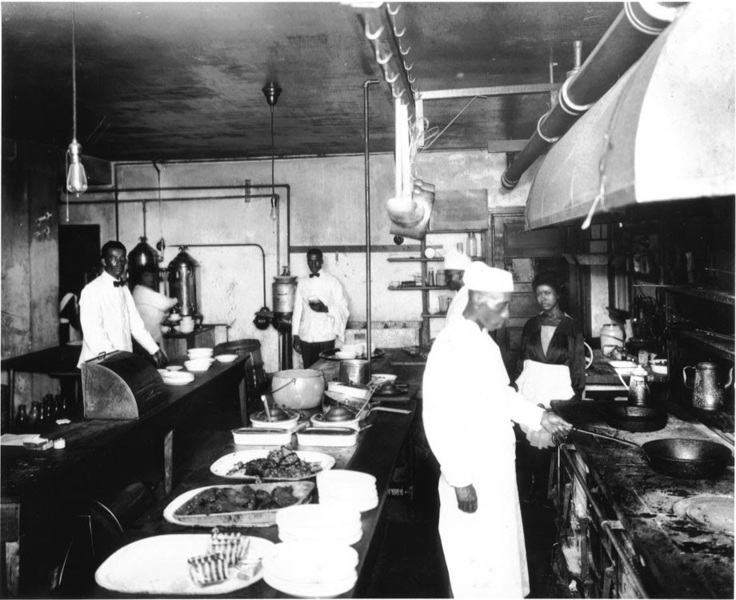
point(540, 383)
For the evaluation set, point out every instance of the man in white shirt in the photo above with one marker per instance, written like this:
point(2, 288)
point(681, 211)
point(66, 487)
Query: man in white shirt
point(455, 266)
point(108, 314)
point(320, 311)
point(152, 305)
point(468, 411)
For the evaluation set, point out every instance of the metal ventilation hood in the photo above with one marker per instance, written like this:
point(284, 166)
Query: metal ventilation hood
point(664, 131)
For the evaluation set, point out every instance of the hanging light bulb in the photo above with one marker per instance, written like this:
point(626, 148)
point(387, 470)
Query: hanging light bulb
point(272, 92)
point(76, 178)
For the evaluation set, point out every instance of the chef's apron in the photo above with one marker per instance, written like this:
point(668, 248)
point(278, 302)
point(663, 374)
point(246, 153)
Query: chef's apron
point(484, 551)
point(540, 383)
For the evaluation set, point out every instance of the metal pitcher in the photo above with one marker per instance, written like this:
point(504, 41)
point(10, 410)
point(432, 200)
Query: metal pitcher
point(638, 388)
point(707, 392)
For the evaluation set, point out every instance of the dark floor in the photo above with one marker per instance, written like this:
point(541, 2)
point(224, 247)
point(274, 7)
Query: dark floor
point(411, 564)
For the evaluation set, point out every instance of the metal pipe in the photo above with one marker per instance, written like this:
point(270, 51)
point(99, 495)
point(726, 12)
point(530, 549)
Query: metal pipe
point(244, 244)
point(633, 31)
point(117, 208)
point(368, 321)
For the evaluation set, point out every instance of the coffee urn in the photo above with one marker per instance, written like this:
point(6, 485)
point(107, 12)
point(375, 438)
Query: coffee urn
point(284, 298)
point(143, 256)
point(182, 282)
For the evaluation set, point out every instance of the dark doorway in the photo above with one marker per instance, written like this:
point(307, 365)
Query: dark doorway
point(79, 257)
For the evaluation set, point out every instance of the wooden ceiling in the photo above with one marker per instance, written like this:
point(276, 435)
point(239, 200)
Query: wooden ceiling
point(168, 81)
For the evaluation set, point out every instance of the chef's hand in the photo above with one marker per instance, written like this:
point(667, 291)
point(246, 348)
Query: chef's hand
point(160, 359)
point(297, 344)
point(467, 499)
point(557, 426)
point(318, 306)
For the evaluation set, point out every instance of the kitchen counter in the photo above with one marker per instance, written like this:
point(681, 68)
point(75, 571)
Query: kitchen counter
point(675, 557)
point(377, 452)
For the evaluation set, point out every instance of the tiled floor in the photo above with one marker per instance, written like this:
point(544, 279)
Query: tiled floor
point(411, 564)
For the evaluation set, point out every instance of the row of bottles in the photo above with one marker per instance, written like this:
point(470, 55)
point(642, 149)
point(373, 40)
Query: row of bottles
point(43, 414)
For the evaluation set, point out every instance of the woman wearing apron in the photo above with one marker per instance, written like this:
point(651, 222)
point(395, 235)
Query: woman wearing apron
point(553, 368)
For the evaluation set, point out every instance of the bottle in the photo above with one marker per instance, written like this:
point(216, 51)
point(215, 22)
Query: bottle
point(430, 277)
point(34, 417)
point(471, 245)
point(21, 419)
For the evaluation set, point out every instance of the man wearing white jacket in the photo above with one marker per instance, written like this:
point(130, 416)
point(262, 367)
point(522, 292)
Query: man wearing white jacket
point(468, 412)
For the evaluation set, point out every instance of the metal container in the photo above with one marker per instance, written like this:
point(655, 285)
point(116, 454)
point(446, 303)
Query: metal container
point(143, 255)
point(298, 388)
point(183, 282)
point(284, 294)
point(354, 371)
point(708, 391)
point(612, 336)
point(120, 385)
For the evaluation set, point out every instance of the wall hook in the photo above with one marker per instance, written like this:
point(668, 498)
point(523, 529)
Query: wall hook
point(373, 36)
point(397, 34)
point(393, 13)
point(408, 67)
point(392, 79)
point(381, 60)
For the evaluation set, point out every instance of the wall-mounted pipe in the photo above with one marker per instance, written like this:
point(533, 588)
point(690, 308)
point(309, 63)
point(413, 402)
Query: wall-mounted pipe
point(117, 201)
point(368, 321)
point(239, 245)
point(626, 40)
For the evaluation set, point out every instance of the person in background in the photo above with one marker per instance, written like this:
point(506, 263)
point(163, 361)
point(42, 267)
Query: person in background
point(108, 314)
point(551, 367)
point(320, 311)
point(455, 266)
point(468, 411)
point(152, 305)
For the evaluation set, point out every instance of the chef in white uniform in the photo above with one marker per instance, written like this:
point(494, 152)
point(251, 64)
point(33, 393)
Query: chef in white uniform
point(468, 412)
point(455, 266)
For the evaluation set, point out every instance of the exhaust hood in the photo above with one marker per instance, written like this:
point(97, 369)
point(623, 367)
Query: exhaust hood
point(664, 131)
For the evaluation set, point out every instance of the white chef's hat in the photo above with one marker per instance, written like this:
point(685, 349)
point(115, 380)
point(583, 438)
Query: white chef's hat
point(455, 261)
point(482, 278)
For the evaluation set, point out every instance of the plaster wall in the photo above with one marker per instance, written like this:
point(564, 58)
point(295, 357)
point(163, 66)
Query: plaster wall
point(327, 208)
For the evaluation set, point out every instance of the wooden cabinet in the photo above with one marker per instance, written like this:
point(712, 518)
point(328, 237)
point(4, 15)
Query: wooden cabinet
point(177, 344)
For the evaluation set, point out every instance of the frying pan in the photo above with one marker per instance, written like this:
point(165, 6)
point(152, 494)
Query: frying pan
point(682, 458)
point(636, 418)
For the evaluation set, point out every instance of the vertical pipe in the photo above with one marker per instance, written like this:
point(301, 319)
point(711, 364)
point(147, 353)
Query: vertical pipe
point(117, 206)
point(368, 321)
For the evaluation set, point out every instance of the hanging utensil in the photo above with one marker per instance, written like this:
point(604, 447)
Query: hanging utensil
point(265, 407)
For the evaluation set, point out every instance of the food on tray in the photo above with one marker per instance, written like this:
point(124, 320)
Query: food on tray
point(237, 499)
point(281, 463)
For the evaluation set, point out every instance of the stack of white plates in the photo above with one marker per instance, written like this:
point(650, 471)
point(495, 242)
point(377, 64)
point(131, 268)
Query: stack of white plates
point(311, 570)
point(176, 377)
point(195, 353)
point(319, 523)
point(352, 489)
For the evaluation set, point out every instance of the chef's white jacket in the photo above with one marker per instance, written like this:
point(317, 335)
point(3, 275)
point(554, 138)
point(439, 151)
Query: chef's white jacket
point(109, 318)
point(312, 326)
point(457, 306)
point(468, 412)
point(152, 306)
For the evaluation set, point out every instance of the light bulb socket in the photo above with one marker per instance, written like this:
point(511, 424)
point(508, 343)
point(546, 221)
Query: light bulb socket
point(272, 91)
point(76, 178)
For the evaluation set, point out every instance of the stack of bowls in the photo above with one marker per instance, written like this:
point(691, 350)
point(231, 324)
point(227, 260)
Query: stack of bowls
point(195, 353)
point(352, 489)
point(200, 359)
point(311, 570)
point(319, 523)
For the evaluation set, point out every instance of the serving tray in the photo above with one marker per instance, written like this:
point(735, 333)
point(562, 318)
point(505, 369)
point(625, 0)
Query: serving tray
point(246, 518)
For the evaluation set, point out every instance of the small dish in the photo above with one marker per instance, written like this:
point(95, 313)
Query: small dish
point(199, 365)
point(382, 378)
point(174, 368)
point(226, 358)
point(346, 355)
point(659, 366)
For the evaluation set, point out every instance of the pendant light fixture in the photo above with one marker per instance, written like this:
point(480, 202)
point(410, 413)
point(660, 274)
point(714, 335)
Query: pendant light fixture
point(76, 178)
point(272, 92)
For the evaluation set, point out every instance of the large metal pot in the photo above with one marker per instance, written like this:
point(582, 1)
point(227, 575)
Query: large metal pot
point(682, 458)
point(298, 388)
point(183, 282)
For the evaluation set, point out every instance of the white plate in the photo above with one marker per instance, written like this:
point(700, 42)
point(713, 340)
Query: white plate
point(324, 589)
point(226, 463)
point(622, 364)
point(250, 518)
point(712, 511)
point(158, 565)
point(174, 368)
point(176, 378)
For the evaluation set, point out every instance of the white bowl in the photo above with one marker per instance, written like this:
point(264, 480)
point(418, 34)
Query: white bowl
point(199, 365)
point(200, 352)
point(346, 355)
point(382, 378)
point(174, 368)
point(355, 348)
point(226, 358)
point(174, 318)
point(659, 366)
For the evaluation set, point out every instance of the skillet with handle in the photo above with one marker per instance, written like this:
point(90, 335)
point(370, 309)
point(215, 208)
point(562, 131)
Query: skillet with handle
point(683, 458)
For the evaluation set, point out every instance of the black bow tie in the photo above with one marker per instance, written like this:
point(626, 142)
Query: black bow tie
point(118, 283)
point(314, 274)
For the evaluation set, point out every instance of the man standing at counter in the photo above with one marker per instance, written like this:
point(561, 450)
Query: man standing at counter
point(455, 265)
point(151, 304)
point(108, 314)
point(468, 412)
point(320, 311)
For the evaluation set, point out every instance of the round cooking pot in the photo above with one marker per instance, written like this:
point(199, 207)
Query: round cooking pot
point(298, 388)
point(636, 418)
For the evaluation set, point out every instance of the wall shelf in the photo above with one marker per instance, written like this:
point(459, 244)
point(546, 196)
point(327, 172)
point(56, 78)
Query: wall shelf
point(415, 259)
point(702, 293)
point(418, 287)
